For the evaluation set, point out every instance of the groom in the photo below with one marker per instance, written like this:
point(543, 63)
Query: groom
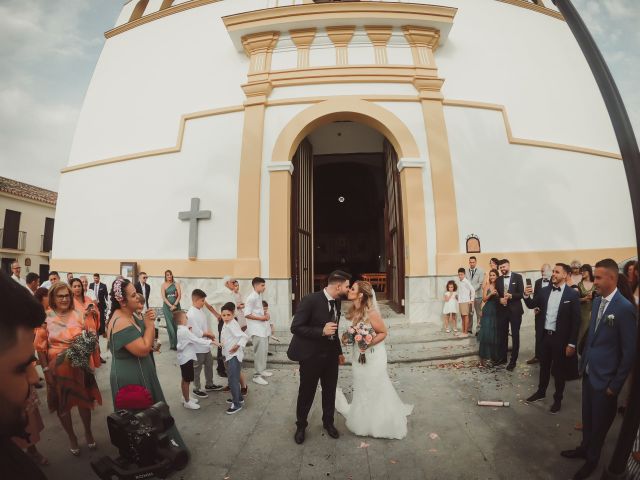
point(315, 344)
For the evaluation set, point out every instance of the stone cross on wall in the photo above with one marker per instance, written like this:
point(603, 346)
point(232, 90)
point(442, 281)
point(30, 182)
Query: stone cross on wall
point(193, 216)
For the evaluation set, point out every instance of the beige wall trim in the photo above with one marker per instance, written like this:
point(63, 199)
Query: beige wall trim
point(524, 141)
point(303, 39)
point(200, 268)
point(536, 8)
point(28, 200)
point(448, 264)
point(272, 18)
point(319, 99)
point(280, 223)
point(423, 42)
point(181, 7)
point(341, 36)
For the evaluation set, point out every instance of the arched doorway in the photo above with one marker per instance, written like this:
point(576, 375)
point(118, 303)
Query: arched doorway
point(346, 210)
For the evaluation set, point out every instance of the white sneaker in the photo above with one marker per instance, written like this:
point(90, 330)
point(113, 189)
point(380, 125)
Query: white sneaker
point(194, 400)
point(191, 405)
point(266, 373)
point(260, 381)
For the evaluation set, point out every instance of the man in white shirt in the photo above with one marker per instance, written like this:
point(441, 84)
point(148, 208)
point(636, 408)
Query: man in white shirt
point(198, 323)
point(53, 278)
point(476, 277)
point(258, 330)
point(466, 296)
point(15, 273)
point(560, 307)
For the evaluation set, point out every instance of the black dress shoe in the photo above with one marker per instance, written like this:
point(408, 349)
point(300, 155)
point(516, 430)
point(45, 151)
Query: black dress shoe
point(299, 435)
point(575, 453)
point(587, 469)
point(222, 374)
point(555, 408)
point(332, 431)
point(535, 397)
point(511, 367)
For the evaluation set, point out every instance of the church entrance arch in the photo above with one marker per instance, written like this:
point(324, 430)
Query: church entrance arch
point(341, 145)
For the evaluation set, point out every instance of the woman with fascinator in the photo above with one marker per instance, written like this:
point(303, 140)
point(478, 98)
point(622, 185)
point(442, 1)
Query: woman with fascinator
point(376, 410)
point(132, 367)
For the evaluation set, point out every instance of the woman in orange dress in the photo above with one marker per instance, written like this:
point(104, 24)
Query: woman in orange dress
point(67, 386)
point(88, 308)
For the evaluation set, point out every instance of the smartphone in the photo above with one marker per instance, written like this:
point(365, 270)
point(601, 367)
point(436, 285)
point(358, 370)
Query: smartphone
point(528, 280)
point(90, 306)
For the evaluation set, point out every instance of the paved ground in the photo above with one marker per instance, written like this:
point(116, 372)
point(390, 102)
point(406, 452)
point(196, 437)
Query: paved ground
point(449, 436)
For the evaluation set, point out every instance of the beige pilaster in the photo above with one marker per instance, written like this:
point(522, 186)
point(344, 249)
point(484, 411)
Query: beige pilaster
point(303, 40)
point(423, 42)
point(341, 36)
point(379, 37)
point(259, 48)
point(444, 197)
point(414, 218)
point(280, 219)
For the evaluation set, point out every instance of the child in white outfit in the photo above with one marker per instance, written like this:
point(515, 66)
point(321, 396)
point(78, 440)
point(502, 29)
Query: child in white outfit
point(187, 342)
point(233, 342)
point(450, 309)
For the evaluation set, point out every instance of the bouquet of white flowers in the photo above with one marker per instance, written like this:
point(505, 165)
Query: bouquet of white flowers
point(360, 334)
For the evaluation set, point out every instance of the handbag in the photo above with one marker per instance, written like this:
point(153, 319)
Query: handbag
point(132, 396)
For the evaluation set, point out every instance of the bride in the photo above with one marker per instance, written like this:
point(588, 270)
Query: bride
point(376, 409)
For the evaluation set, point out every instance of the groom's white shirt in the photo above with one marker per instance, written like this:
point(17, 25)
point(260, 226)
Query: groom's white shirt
point(329, 298)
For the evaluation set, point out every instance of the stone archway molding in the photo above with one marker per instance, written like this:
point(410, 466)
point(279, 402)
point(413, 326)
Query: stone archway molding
point(411, 184)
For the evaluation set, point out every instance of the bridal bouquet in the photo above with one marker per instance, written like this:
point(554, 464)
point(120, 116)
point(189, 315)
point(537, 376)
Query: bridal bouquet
point(80, 350)
point(361, 335)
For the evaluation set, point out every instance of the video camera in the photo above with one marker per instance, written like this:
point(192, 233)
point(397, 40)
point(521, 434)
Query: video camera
point(146, 449)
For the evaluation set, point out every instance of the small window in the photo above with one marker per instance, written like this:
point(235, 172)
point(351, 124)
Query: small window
point(139, 9)
point(473, 244)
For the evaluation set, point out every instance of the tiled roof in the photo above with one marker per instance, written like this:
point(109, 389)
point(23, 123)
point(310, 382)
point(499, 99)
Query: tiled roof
point(25, 190)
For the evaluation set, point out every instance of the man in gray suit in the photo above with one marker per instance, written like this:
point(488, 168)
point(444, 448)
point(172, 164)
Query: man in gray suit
point(476, 276)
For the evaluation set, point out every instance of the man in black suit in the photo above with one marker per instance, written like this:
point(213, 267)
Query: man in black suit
point(560, 308)
point(544, 281)
point(510, 291)
point(143, 288)
point(315, 344)
point(101, 293)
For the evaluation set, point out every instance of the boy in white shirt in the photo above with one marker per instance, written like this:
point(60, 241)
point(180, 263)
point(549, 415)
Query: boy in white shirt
point(233, 342)
point(466, 296)
point(198, 322)
point(258, 330)
point(187, 355)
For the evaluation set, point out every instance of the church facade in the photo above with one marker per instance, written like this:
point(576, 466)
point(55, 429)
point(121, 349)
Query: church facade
point(384, 138)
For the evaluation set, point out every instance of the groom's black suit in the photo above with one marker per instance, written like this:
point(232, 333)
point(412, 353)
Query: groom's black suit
point(317, 354)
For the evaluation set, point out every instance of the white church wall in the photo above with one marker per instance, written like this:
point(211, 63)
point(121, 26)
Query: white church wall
point(398, 50)
point(140, 199)
point(285, 54)
point(148, 77)
point(360, 49)
point(529, 62)
point(521, 198)
point(322, 52)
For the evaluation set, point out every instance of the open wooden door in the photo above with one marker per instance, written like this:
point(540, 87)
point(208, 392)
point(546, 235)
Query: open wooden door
point(393, 230)
point(302, 223)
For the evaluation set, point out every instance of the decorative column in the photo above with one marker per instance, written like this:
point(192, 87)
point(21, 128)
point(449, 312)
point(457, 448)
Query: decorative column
point(423, 42)
point(303, 40)
point(444, 197)
point(341, 36)
point(280, 219)
point(379, 37)
point(259, 48)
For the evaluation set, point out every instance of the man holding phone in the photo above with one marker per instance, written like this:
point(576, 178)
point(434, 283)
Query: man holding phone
point(560, 308)
point(510, 288)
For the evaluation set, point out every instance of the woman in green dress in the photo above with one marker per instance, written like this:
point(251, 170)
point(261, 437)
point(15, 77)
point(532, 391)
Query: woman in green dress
point(131, 347)
point(488, 335)
point(587, 290)
point(171, 293)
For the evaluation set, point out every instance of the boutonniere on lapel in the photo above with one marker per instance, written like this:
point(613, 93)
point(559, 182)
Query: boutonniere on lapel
point(611, 319)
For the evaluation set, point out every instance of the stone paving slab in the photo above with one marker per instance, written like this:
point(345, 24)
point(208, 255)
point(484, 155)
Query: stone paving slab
point(471, 442)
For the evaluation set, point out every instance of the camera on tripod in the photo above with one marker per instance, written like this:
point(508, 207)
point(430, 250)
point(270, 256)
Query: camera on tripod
point(146, 449)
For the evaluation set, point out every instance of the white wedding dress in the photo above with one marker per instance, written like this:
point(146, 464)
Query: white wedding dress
point(376, 410)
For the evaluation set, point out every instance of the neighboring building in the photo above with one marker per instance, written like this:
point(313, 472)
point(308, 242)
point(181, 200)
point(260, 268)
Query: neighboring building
point(26, 215)
point(370, 136)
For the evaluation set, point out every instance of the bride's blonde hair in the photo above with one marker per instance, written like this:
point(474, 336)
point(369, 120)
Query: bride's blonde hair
point(357, 314)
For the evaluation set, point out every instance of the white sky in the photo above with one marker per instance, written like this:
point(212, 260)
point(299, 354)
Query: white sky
point(49, 48)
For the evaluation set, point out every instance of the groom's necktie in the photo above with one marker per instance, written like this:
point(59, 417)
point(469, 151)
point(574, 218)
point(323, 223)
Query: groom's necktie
point(332, 311)
point(603, 305)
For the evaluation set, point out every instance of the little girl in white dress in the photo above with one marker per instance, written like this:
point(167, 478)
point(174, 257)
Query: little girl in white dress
point(450, 310)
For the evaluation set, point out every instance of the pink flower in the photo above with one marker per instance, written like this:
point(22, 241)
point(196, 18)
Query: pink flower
point(368, 339)
point(352, 330)
point(358, 338)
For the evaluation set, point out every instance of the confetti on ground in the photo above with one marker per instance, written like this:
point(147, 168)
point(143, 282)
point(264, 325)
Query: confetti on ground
point(393, 461)
point(363, 445)
point(433, 450)
point(433, 436)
